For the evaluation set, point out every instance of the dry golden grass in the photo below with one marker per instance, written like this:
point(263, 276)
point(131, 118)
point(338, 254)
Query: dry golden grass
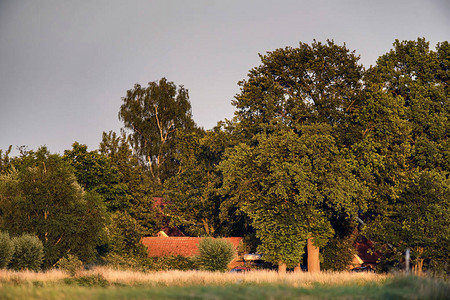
point(30, 276)
point(190, 278)
point(182, 278)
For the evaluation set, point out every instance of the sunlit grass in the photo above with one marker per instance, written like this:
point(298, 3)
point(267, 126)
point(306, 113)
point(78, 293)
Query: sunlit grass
point(183, 278)
point(107, 283)
point(188, 278)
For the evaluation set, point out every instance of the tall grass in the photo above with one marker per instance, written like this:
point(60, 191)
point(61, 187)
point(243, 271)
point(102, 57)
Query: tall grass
point(105, 283)
point(191, 278)
point(184, 278)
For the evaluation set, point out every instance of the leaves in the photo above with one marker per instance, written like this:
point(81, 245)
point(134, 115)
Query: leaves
point(153, 115)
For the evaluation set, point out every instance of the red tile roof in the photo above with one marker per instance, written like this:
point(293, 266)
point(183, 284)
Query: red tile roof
point(184, 246)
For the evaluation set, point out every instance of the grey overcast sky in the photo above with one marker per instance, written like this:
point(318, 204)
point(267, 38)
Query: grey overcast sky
point(64, 65)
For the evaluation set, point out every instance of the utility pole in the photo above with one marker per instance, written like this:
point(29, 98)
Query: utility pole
point(407, 257)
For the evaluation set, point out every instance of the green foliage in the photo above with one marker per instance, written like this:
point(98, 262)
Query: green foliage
point(137, 184)
point(153, 115)
point(404, 153)
point(95, 172)
point(419, 219)
point(420, 76)
point(70, 263)
point(292, 170)
point(317, 83)
point(96, 280)
point(42, 196)
point(5, 160)
point(290, 184)
point(178, 262)
point(6, 249)
point(215, 254)
point(338, 253)
point(126, 263)
point(28, 253)
point(124, 235)
point(195, 203)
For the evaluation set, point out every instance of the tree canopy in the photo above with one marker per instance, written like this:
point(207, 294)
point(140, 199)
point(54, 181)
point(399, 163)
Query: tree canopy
point(152, 115)
point(304, 85)
point(42, 197)
point(289, 184)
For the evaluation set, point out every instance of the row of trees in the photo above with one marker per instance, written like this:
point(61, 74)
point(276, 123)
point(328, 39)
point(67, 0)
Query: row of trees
point(316, 142)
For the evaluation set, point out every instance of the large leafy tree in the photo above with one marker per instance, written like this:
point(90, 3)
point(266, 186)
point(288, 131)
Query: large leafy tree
point(406, 136)
point(41, 196)
point(303, 85)
point(290, 183)
point(421, 77)
point(153, 115)
point(312, 85)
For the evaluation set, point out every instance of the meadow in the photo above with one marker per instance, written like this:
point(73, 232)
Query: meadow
point(105, 283)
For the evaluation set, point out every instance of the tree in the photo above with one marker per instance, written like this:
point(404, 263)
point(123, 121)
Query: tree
point(289, 184)
point(290, 93)
point(405, 134)
point(137, 186)
point(420, 76)
point(41, 196)
point(195, 202)
point(125, 235)
point(5, 160)
point(303, 85)
point(381, 146)
point(95, 172)
point(152, 115)
point(419, 220)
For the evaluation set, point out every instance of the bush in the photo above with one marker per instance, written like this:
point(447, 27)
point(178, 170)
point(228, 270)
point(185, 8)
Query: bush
point(71, 264)
point(177, 262)
point(125, 263)
point(215, 254)
point(96, 280)
point(28, 253)
point(6, 249)
point(125, 235)
point(338, 253)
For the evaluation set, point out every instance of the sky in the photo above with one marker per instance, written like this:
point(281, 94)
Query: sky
point(65, 65)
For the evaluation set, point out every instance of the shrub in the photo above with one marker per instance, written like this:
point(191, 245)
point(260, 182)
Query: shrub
point(95, 280)
point(6, 249)
point(70, 263)
point(177, 262)
point(338, 253)
point(215, 254)
point(28, 253)
point(123, 262)
point(125, 235)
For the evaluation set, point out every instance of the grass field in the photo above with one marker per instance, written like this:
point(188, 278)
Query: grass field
point(110, 284)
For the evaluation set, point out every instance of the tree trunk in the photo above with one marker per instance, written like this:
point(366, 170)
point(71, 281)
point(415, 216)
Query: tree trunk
point(313, 256)
point(281, 268)
point(297, 268)
point(418, 268)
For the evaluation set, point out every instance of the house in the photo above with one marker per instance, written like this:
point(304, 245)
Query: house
point(364, 256)
point(163, 245)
